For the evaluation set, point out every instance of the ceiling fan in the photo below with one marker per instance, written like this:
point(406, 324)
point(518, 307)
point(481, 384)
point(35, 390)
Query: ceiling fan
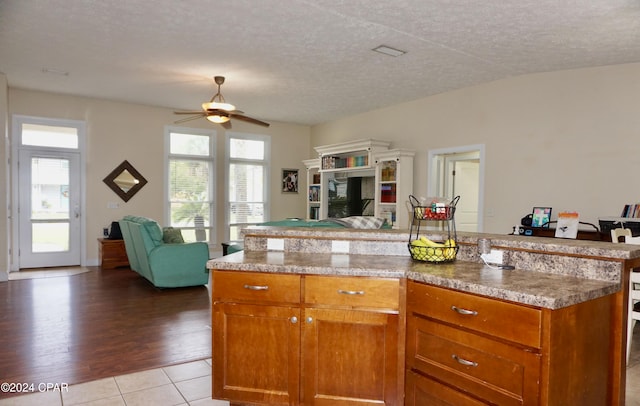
point(217, 110)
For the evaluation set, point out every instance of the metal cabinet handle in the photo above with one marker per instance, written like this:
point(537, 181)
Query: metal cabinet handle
point(309, 320)
point(464, 312)
point(256, 287)
point(351, 292)
point(294, 320)
point(463, 361)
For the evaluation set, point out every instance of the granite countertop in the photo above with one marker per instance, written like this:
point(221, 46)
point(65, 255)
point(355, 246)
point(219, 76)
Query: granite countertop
point(582, 248)
point(538, 289)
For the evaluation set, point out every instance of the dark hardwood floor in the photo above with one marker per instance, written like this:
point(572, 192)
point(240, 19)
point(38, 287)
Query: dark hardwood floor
point(78, 328)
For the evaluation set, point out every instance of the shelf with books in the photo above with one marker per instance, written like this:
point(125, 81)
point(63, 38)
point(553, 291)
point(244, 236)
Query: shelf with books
point(314, 194)
point(631, 211)
point(349, 155)
point(314, 213)
point(388, 212)
point(387, 192)
point(314, 188)
point(394, 184)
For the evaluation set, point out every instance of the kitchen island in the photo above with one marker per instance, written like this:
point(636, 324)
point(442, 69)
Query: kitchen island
point(343, 316)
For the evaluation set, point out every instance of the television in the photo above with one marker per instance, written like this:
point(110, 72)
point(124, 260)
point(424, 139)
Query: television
point(350, 196)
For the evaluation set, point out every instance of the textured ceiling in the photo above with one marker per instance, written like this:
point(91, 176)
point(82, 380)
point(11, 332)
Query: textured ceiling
point(302, 61)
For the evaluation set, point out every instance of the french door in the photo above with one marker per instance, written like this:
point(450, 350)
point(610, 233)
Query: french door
point(49, 208)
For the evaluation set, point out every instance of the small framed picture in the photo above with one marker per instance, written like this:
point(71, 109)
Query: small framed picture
point(289, 181)
point(541, 217)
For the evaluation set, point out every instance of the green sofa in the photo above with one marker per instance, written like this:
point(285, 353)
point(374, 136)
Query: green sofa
point(164, 265)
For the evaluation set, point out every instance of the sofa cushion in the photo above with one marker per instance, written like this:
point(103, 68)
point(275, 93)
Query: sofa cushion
point(172, 235)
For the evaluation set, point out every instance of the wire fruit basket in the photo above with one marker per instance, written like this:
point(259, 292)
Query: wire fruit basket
point(444, 253)
point(424, 249)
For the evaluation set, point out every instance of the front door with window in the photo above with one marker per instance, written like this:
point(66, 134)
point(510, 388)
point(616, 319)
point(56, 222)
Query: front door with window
point(49, 183)
point(47, 192)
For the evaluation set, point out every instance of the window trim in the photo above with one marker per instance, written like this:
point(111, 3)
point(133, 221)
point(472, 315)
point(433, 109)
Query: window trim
point(211, 158)
point(266, 163)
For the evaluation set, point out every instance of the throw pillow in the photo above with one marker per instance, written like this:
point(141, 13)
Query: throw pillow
point(362, 222)
point(172, 235)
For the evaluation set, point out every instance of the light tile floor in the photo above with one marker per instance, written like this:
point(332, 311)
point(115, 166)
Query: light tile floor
point(184, 384)
point(181, 385)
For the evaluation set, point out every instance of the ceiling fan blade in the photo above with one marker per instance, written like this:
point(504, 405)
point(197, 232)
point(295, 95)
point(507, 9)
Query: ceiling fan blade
point(189, 112)
point(188, 119)
point(248, 119)
point(222, 112)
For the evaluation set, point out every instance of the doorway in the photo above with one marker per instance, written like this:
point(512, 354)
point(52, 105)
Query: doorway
point(460, 171)
point(47, 193)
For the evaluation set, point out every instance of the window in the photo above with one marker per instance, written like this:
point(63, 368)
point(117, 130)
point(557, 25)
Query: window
point(247, 182)
point(42, 135)
point(190, 174)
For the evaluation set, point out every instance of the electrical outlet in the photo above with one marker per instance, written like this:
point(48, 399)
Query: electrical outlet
point(275, 244)
point(494, 257)
point(339, 247)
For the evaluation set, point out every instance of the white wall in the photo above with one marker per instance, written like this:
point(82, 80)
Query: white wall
point(118, 131)
point(566, 139)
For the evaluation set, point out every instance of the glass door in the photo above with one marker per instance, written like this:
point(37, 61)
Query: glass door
point(49, 207)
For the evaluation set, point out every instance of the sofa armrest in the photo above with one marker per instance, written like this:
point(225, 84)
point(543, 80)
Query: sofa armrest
point(180, 258)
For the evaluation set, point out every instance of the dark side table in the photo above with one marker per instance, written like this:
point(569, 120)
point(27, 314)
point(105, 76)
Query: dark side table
point(112, 253)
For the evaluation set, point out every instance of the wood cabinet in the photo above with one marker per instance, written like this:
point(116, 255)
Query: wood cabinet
point(464, 348)
point(256, 337)
point(347, 178)
point(362, 177)
point(350, 341)
point(312, 340)
point(112, 253)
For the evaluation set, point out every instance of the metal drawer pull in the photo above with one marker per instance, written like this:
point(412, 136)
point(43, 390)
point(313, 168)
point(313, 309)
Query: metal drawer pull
point(256, 287)
point(294, 320)
point(351, 292)
point(309, 320)
point(464, 361)
point(464, 312)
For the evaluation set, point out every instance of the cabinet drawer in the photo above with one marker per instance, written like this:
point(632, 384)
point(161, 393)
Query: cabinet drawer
point(495, 371)
point(422, 391)
point(255, 286)
point(509, 321)
point(352, 291)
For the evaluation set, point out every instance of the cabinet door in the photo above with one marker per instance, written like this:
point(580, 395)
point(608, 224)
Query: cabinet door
point(256, 353)
point(349, 357)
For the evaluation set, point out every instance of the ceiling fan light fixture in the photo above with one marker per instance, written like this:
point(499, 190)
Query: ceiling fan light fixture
point(218, 111)
point(218, 106)
point(218, 119)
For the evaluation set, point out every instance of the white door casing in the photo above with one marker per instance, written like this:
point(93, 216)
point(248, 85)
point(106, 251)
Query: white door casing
point(468, 164)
